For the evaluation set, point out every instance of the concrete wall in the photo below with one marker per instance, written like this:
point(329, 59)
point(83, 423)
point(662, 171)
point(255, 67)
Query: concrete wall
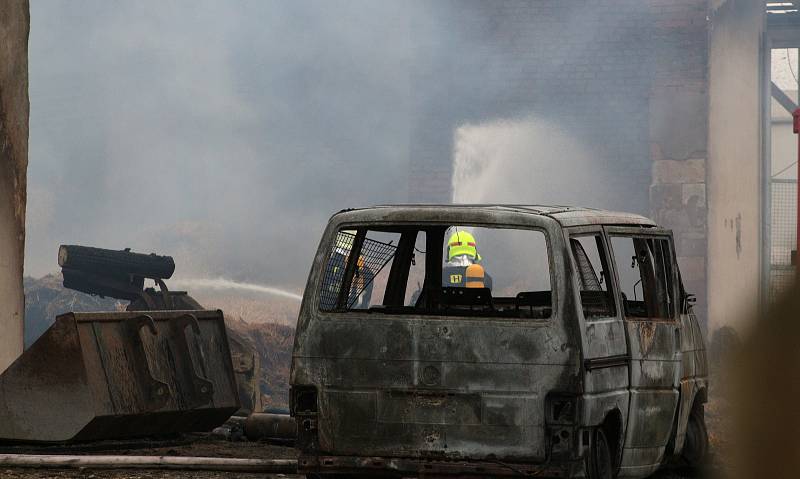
point(14, 28)
point(734, 167)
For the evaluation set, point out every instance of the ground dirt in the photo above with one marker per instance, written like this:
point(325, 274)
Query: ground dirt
point(203, 445)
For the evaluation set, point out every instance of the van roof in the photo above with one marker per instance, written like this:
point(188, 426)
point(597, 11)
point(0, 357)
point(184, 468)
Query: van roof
point(567, 216)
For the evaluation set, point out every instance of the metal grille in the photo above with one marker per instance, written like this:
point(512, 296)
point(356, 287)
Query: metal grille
point(374, 256)
point(784, 236)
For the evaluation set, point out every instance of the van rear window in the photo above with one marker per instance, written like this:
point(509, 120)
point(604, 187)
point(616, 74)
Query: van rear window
point(453, 270)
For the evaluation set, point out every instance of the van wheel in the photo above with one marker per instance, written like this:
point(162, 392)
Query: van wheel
point(599, 464)
point(695, 449)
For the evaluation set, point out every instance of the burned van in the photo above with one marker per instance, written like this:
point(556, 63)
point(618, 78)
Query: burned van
point(496, 340)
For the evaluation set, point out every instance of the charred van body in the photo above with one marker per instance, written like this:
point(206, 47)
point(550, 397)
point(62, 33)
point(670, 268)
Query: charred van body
point(583, 357)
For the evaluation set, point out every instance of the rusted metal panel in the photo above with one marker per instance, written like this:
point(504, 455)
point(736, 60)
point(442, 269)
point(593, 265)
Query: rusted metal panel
point(408, 396)
point(607, 379)
point(115, 375)
point(651, 419)
point(694, 374)
point(655, 378)
point(605, 338)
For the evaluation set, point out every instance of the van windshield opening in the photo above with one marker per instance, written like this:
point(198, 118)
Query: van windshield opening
point(452, 270)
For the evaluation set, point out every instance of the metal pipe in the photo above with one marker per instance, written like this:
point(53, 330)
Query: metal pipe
point(270, 426)
point(216, 464)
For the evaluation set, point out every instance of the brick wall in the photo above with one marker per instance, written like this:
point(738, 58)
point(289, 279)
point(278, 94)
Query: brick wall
point(628, 78)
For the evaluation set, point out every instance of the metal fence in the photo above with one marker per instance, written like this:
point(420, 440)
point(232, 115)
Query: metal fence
point(783, 236)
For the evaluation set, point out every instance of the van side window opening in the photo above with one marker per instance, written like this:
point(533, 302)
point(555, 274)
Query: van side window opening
point(593, 276)
point(491, 272)
point(644, 267)
point(366, 270)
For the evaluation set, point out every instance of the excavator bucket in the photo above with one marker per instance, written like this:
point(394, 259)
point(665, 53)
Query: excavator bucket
point(95, 376)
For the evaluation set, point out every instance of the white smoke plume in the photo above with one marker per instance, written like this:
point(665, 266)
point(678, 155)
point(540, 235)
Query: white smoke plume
point(526, 161)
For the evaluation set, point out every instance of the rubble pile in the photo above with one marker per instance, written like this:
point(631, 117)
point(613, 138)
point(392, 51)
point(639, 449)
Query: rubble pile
point(273, 342)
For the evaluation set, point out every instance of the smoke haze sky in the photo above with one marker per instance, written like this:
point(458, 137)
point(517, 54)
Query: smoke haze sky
point(222, 133)
point(226, 133)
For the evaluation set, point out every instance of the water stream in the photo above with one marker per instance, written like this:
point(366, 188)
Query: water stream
point(223, 284)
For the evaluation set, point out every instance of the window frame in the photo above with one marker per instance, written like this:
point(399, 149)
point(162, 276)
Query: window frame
point(430, 228)
point(648, 234)
point(611, 277)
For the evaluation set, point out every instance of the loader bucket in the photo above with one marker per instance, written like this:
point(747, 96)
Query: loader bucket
point(95, 376)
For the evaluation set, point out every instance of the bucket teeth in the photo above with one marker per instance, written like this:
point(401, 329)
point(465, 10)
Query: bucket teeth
point(198, 390)
point(157, 392)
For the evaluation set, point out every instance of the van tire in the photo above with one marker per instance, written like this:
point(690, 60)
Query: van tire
point(695, 449)
point(599, 463)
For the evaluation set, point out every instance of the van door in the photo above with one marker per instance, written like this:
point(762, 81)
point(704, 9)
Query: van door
point(646, 277)
point(605, 349)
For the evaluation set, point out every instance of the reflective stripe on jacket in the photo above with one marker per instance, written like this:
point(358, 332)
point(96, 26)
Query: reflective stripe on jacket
point(464, 277)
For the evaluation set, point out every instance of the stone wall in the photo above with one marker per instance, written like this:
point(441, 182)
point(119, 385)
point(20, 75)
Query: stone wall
point(14, 28)
point(626, 78)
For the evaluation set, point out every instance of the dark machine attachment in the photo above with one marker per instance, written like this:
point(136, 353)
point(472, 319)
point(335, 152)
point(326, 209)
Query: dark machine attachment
point(121, 274)
point(162, 367)
point(116, 274)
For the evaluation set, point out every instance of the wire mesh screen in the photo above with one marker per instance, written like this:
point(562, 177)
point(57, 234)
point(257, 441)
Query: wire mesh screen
point(784, 236)
point(372, 258)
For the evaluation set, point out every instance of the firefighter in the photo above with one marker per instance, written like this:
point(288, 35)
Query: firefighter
point(462, 269)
